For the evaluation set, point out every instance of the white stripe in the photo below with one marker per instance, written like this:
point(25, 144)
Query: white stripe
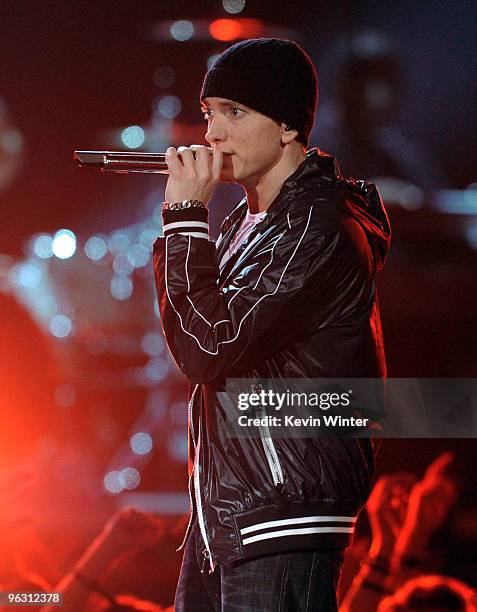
point(216, 352)
point(300, 519)
point(292, 532)
point(188, 289)
point(202, 316)
point(168, 226)
point(271, 259)
point(235, 295)
point(193, 234)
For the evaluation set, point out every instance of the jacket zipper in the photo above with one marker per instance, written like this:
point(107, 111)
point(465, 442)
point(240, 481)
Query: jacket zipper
point(270, 452)
point(190, 416)
point(191, 427)
point(191, 515)
point(198, 502)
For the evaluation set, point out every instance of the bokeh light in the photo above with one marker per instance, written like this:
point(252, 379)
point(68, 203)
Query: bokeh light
point(225, 29)
point(112, 483)
point(133, 136)
point(177, 445)
point(138, 255)
point(129, 478)
point(43, 246)
point(156, 369)
point(168, 106)
point(233, 6)
point(121, 265)
point(152, 344)
point(95, 248)
point(26, 275)
point(147, 237)
point(230, 29)
point(118, 243)
point(64, 244)
point(121, 287)
point(182, 30)
point(60, 326)
point(141, 443)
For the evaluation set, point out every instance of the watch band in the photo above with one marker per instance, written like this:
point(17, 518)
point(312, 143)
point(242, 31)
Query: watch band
point(183, 205)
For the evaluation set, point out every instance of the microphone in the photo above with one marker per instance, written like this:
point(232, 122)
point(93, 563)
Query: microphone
point(122, 162)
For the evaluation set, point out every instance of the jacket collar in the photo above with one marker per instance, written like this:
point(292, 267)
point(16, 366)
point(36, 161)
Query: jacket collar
point(317, 168)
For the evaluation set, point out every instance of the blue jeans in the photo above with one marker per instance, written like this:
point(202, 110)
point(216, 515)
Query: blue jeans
point(286, 582)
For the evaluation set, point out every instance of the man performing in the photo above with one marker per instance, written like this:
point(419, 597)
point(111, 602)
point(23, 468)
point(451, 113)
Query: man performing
point(287, 291)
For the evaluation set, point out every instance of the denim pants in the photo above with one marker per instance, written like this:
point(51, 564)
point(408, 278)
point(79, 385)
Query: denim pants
point(286, 582)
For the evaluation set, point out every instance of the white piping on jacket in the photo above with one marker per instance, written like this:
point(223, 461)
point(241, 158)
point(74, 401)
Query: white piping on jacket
point(216, 352)
point(261, 273)
point(271, 259)
point(188, 289)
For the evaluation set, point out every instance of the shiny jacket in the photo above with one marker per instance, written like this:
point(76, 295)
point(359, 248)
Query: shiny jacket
point(298, 300)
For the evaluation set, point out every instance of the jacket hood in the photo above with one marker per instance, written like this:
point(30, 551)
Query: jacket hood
point(362, 200)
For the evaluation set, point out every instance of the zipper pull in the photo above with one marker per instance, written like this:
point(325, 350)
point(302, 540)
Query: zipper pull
point(205, 556)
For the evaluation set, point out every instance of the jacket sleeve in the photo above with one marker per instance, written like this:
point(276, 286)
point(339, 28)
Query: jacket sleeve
point(210, 330)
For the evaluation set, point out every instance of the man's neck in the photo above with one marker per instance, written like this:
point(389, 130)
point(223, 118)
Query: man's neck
point(262, 193)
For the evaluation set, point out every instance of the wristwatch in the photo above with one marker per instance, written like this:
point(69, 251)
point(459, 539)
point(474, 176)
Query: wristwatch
point(183, 204)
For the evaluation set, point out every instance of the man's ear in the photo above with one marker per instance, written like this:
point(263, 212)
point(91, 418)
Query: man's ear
point(288, 133)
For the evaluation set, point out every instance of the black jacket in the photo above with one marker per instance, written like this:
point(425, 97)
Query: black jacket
point(298, 300)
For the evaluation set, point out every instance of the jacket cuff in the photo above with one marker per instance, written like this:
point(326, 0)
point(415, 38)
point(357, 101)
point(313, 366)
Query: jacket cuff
point(188, 222)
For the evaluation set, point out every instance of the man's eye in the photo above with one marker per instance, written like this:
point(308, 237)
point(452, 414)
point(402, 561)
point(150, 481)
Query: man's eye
point(236, 112)
point(206, 115)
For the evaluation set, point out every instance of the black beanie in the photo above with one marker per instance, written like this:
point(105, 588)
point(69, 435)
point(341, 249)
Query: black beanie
point(273, 76)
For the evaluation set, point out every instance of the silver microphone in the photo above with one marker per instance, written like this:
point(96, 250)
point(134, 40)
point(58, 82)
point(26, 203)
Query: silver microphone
point(123, 162)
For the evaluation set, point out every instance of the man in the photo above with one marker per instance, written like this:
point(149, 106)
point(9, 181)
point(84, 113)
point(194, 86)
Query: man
point(287, 291)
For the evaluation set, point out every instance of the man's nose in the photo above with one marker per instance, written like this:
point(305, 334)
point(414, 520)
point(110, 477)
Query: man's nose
point(215, 132)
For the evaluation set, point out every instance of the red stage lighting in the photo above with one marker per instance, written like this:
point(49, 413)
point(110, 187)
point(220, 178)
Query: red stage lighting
point(232, 29)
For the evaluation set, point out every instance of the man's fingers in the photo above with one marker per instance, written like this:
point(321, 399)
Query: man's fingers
point(172, 159)
point(193, 173)
point(187, 157)
point(217, 161)
point(203, 157)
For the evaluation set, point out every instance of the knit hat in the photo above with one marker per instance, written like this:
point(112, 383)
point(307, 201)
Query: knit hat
point(273, 76)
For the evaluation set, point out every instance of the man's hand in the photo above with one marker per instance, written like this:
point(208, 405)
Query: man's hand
point(387, 507)
point(194, 175)
point(430, 502)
